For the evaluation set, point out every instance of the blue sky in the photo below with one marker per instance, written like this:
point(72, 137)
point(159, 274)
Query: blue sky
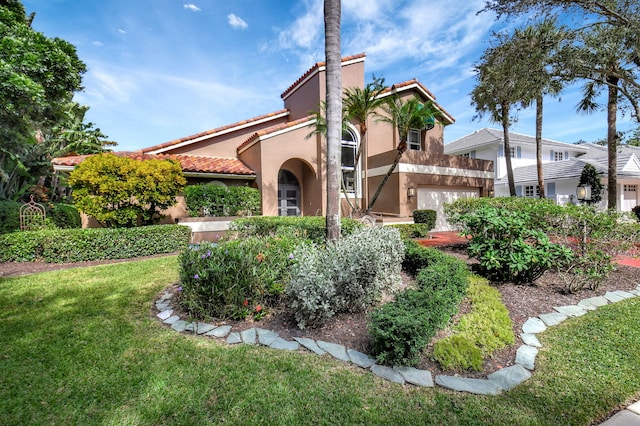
point(164, 69)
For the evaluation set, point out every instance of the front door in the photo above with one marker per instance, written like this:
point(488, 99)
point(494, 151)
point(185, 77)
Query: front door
point(289, 200)
point(288, 194)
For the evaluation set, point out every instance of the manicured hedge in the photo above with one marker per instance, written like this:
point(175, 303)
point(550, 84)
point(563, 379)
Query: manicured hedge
point(307, 227)
point(213, 200)
point(400, 330)
point(77, 245)
point(412, 230)
point(427, 217)
point(418, 257)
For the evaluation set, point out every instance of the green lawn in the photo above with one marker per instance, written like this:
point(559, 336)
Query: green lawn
point(81, 346)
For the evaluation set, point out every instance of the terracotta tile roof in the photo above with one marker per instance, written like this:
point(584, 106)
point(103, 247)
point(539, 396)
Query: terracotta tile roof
point(414, 82)
point(189, 163)
point(254, 137)
point(314, 68)
point(213, 131)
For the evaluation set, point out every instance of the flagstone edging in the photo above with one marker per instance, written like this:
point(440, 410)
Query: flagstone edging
point(501, 380)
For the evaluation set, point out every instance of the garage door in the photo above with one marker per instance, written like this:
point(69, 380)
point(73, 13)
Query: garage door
point(434, 199)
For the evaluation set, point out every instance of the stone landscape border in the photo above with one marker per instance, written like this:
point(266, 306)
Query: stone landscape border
point(501, 380)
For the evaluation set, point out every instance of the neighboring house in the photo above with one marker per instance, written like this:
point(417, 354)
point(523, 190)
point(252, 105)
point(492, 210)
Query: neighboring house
point(277, 154)
point(562, 165)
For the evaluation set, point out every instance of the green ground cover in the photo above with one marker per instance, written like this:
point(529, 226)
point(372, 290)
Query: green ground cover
point(81, 346)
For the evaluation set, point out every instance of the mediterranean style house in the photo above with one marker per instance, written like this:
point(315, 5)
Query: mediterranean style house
point(279, 154)
point(562, 165)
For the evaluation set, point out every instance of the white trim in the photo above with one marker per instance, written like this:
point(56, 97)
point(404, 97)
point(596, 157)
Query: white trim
point(277, 133)
point(302, 82)
point(422, 169)
point(220, 133)
point(423, 92)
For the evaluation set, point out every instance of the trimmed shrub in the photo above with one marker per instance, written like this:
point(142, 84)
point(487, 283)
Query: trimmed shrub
point(232, 279)
point(400, 330)
point(417, 257)
point(427, 217)
point(77, 245)
point(636, 212)
point(213, 200)
point(348, 276)
point(479, 333)
point(305, 227)
point(412, 230)
point(65, 216)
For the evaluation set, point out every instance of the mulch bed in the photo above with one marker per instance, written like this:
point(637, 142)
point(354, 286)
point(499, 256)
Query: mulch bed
point(522, 301)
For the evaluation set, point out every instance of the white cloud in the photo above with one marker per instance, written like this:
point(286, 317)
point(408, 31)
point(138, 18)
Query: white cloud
point(305, 31)
point(192, 7)
point(97, 43)
point(121, 31)
point(237, 22)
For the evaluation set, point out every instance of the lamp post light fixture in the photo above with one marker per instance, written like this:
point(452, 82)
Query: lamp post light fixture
point(583, 192)
point(491, 193)
point(411, 192)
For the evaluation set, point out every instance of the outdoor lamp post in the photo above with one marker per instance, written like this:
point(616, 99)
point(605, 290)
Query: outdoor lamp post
point(583, 192)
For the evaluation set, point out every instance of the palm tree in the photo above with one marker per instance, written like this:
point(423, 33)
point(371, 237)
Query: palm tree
point(405, 116)
point(332, 11)
point(496, 92)
point(360, 105)
point(542, 43)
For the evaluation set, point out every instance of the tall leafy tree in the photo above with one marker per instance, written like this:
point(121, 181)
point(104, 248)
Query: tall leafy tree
point(361, 105)
point(38, 76)
point(332, 18)
point(404, 116)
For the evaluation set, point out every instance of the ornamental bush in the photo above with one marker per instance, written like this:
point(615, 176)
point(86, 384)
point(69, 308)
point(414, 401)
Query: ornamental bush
point(304, 227)
point(418, 257)
point(427, 217)
point(78, 245)
point(214, 200)
point(412, 230)
point(348, 276)
point(400, 330)
point(508, 248)
point(231, 279)
point(123, 192)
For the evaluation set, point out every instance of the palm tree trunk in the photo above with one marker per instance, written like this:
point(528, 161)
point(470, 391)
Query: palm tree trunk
point(507, 148)
point(386, 177)
point(332, 11)
point(539, 101)
point(612, 143)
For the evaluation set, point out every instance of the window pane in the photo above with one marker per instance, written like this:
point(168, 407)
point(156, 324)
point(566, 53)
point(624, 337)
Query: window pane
point(349, 179)
point(348, 155)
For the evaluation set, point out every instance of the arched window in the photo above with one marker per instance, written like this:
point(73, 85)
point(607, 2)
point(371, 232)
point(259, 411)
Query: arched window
point(350, 174)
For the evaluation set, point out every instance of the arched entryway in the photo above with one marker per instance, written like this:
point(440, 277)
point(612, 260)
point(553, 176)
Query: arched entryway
point(288, 194)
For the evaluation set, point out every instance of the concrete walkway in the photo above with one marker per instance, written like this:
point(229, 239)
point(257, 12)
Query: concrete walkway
point(627, 417)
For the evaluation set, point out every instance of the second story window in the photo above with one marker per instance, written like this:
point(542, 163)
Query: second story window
point(512, 151)
point(413, 140)
point(557, 156)
point(349, 172)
